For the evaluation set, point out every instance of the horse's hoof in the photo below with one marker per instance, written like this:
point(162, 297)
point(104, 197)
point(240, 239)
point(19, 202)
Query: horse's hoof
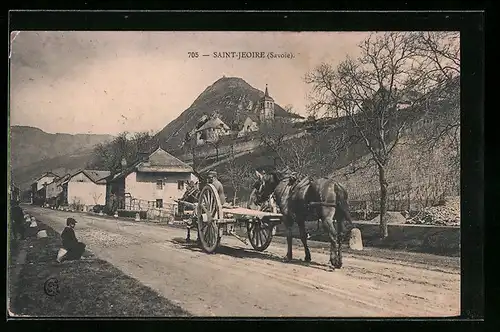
point(336, 263)
point(307, 259)
point(286, 259)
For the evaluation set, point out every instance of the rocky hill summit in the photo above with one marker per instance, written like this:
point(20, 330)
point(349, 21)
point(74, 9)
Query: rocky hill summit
point(232, 98)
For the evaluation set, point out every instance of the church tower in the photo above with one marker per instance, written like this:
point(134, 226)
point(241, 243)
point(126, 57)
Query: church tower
point(266, 107)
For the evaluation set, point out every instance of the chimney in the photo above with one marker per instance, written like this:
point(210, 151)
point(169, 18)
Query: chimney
point(143, 155)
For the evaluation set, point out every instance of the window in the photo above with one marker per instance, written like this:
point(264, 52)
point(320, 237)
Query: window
point(180, 185)
point(159, 203)
point(159, 184)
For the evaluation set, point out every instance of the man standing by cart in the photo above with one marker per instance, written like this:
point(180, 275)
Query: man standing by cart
point(212, 179)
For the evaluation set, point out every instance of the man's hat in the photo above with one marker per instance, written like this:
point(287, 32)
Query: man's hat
point(212, 173)
point(70, 221)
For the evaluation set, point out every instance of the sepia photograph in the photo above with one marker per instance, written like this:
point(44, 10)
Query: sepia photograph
point(234, 174)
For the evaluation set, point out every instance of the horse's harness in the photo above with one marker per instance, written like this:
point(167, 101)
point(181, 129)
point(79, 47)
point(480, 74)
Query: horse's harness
point(295, 183)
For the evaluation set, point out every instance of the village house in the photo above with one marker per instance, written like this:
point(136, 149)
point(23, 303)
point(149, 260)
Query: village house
point(212, 131)
point(154, 181)
point(38, 187)
point(249, 125)
point(55, 188)
point(85, 188)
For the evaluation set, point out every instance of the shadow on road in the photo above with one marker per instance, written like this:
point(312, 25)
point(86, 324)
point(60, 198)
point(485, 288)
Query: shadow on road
point(244, 253)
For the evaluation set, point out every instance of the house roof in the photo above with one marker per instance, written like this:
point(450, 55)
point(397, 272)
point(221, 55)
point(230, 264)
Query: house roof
point(98, 177)
point(45, 174)
point(95, 175)
point(214, 123)
point(254, 117)
point(251, 116)
point(158, 161)
point(63, 179)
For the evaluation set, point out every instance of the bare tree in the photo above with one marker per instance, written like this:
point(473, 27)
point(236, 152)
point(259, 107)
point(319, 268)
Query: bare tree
point(189, 147)
point(273, 135)
point(109, 156)
point(442, 51)
point(393, 69)
point(238, 175)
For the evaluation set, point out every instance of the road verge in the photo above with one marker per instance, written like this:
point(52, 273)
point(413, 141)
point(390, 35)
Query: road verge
point(88, 287)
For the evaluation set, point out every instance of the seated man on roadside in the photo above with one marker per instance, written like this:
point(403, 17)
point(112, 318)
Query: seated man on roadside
point(74, 248)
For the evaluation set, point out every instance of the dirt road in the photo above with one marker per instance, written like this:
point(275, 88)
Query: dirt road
point(238, 281)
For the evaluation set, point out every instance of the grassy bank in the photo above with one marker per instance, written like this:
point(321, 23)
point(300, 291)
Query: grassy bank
point(437, 240)
point(88, 287)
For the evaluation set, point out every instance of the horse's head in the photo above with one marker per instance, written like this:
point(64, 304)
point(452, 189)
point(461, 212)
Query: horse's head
point(264, 186)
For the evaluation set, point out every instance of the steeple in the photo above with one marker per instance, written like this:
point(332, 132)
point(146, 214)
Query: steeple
point(266, 95)
point(266, 106)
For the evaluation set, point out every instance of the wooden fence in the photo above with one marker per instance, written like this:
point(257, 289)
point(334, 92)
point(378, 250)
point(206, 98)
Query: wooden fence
point(164, 213)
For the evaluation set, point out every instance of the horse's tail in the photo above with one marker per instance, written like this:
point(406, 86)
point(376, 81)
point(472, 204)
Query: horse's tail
point(342, 205)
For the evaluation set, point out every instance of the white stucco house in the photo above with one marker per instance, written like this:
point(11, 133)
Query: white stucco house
point(86, 188)
point(154, 181)
point(249, 125)
point(212, 131)
point(55, 187)
point(39, 185)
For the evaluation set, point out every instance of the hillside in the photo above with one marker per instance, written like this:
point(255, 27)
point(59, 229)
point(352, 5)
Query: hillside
point(34, 151)
point(415, 173)
point(30, 144)
point(231, 97)
point(24, 175)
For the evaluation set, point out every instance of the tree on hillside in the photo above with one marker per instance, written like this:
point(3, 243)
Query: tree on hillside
point(272, 135)
point(108, 156)
point(236, 175)
point(303, 153)
point(191, 147)
point(442, 49)
point(393, 69)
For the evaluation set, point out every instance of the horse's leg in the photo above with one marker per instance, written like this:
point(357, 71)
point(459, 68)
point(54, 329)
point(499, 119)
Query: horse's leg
point(340, 226)
point(288, 226)
point(303, 238)
point(188, 237)
point(327, 218)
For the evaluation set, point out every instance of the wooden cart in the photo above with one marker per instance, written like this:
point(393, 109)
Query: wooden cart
point(213, 221)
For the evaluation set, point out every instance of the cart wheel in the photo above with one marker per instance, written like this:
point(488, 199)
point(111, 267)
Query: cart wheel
point(209, 212)
point(260, 234)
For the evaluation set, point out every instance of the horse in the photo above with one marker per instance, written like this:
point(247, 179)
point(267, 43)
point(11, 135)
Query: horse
point(268, 205)
point(308, 199)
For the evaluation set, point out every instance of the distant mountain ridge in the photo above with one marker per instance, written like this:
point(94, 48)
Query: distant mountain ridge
point(231, 97)
point(31, 146)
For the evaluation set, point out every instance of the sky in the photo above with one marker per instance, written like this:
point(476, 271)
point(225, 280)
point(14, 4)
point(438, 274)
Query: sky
point(114, 81)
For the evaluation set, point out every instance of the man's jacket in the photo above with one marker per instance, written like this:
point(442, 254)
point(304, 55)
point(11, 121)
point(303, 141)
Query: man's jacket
point(220, 189)
point(68, 238)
